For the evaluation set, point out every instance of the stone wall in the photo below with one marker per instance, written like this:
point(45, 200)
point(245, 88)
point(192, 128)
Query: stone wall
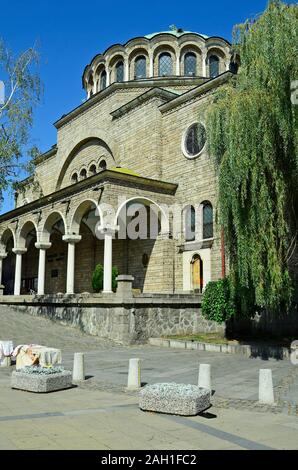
point(126, 321)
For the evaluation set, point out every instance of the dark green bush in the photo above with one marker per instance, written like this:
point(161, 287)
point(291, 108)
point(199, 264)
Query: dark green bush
point(217, 303)
point(97, 278)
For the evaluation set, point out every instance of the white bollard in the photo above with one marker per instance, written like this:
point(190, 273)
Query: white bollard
point(266, 394)
point(78, 372)
point(205, 376)
point(134, 374)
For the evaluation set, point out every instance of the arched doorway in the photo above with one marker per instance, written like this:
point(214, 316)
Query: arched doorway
point(56, 255)
point(197, 273)
point(29, 271)
point(8, 264)
point(142, 222)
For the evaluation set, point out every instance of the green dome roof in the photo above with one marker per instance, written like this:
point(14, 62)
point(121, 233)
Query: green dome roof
point(175, 32)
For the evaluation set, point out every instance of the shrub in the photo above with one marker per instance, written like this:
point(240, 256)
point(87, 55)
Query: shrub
point(217, 303)
point(97, 278)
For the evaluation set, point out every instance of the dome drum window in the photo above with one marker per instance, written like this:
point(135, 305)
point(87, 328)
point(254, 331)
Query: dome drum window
point(213, 66)
point(165, 65)
point(103, 80)
point(190, 64)
point(140, 67)
point(194, 140)
point(120, 72)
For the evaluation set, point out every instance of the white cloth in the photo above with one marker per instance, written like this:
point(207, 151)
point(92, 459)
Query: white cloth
point(6, 348)
point(29, 354)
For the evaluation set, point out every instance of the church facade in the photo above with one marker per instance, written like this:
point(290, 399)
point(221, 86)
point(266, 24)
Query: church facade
point(137, 141)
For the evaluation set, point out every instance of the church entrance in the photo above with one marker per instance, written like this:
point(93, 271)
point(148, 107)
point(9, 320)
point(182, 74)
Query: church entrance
point(197, 273)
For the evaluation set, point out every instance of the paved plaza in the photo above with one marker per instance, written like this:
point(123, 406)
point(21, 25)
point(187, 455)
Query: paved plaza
point(101, 415)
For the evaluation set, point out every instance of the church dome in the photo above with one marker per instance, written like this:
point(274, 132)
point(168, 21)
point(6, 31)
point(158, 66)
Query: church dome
point(163, 55)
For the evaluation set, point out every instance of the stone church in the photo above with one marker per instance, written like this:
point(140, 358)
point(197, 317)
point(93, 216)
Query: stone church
point(138, 137)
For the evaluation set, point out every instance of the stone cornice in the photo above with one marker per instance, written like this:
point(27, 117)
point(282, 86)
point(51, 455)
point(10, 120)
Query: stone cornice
point(165, 95)
point(100, 179)
point(116, 86)
point(195, 92)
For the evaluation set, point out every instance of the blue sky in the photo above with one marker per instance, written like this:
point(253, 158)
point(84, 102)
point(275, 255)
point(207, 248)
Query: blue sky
point(70, 33)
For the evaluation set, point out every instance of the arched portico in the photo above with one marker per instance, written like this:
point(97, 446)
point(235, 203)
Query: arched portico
point(7, 261)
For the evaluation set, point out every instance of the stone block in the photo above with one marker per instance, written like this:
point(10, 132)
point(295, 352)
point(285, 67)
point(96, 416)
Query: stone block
point(212, 347)
point(165, 343)
point(177, 344)
point(224, 348)
point(176, 399)
point(40, 383)
point(191, 345)
point(201, 346)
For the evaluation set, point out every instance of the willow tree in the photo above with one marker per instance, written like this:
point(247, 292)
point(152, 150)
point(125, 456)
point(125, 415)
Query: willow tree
point(253, 136)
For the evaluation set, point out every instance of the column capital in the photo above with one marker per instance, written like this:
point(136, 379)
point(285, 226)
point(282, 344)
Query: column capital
point(43, 245)
point(70, 238)
point(108, 229)
point(19, 251)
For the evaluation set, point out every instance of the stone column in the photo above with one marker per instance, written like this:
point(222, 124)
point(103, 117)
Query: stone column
point(71, 240)
point(42, 247)
point(107, 274)
point(151, 65)
point(18, 269)
point(2, 256)
point(204, 65)
point(178, 65)
point(126, 70)
point(108, 76)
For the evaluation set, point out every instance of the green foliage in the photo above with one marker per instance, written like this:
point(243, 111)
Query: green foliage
point(97, 278)
point(22, 93)
point(253, 136)
point(217, 303)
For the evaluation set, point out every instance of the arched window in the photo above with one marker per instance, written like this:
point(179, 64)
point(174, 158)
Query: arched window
point(165, 64)
point(140, 67)
point(190, 64)
point(102, 165)
point(190, 223)
point(83, 174)
point(103, 80)
point(92, 170)
point(213, 66)
point(207, 220)
point(119, 71)
point(74, 178)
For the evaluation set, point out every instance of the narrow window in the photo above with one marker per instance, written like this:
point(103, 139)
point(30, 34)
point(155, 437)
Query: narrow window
point(213, 66)
point(140, 67)
point(207, 220)
point(119, 71)
point(190, 64)
point(103, 80)
point(165, 64)
point(190, 223)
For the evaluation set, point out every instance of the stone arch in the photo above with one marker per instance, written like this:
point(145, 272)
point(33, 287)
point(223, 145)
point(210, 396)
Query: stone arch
point(24, 231)
point(79, 213)
point(5, 236)
point(161, 49)
point(87, 135)
point(165, 225)
point(220, 54)
point(135, 53)
point(191, 48)
point(49, 223)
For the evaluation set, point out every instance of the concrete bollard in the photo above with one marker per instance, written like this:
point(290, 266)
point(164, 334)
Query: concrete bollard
point(78, 373)
point(134, 374)
point(205, 376)
point(266, 394)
